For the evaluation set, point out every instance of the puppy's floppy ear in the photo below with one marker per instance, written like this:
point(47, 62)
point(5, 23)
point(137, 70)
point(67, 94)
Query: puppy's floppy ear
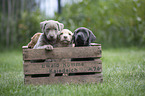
point(73, 41)
point(60, 26)
point(73, 38)
point(92, 37)
point(58, 34)
point(74, 34)
point(42, 25)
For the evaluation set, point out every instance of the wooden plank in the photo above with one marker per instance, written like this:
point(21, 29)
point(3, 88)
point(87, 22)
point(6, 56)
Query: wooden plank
point(92, 44)
point(63, 67)
point(96, 78)
point(95, 44)
point(25, 47)
point(60, 53)
point(58, 68)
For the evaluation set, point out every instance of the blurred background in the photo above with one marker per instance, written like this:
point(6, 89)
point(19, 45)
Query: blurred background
point(116, 23)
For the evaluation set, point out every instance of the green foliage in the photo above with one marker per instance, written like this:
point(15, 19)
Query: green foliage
point(28, 25)
point(123, 75)
point(19, 20)
point(114, 22)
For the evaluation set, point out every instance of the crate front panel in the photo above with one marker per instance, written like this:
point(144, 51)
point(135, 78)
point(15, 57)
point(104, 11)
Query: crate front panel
point(63, 67)
point(60, 53)
point(96, 78)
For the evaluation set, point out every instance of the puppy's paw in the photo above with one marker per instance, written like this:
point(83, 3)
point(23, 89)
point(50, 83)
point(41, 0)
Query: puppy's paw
point(49, 47)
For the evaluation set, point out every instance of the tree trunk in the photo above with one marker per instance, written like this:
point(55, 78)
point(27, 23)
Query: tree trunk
point(59, 6)
point(3, 22)
point(8, 25)
point(13, 23)
point(22, 6)
point(17, 23)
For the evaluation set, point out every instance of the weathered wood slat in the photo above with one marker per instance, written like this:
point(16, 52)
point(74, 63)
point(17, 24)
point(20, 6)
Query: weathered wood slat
point(95, 44)
point(24, 47)
point(92, 44)
point(63, 67)
point(55, 66)
point(96, 78)
point(60, 53)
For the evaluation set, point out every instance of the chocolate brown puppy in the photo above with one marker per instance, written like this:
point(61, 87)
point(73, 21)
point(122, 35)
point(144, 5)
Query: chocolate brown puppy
point(34, 40)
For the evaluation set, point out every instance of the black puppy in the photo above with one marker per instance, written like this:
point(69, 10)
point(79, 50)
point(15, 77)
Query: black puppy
point(83, 37)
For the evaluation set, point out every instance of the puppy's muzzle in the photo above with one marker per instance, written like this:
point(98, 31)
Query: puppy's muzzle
point(51, 36)
point(80, 37)
point(65, 37)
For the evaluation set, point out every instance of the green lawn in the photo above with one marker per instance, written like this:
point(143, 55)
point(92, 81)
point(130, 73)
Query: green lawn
point(123, 75)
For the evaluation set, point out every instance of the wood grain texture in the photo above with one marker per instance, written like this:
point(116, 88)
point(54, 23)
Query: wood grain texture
point(63, 67)
point(96, 78)
point(55, 67)
point(60, 53)
point(92, 44)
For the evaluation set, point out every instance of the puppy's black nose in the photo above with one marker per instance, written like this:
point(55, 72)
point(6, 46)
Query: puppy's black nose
point(79, 36)
point(65, 37)
point(51, 36)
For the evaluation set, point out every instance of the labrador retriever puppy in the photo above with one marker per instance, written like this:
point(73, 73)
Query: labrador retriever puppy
point(34, 40)
point(83, 37)
point(65, 38)
point(48, 39)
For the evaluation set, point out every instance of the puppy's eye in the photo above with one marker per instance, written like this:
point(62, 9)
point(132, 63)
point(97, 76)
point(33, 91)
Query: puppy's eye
point(69, 34)
point(61, 33)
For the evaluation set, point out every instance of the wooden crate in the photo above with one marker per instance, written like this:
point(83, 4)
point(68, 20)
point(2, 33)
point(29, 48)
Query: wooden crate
point(49, 67)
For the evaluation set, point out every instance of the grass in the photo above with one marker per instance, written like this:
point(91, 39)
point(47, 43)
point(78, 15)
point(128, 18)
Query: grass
point(123, 75)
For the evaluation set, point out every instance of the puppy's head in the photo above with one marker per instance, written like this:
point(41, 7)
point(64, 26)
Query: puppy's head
point(83, 37)
point(65, 36)
point(51, 29)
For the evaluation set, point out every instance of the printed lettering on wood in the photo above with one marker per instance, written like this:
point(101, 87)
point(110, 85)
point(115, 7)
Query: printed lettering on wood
point(56, 66)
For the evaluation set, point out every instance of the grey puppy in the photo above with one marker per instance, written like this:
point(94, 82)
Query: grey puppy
point(83, 37)
point(48, 39)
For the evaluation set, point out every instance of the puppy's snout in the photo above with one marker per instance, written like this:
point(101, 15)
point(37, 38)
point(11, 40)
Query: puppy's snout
point(51, 36)
point(65, 37)
point(79, 36)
